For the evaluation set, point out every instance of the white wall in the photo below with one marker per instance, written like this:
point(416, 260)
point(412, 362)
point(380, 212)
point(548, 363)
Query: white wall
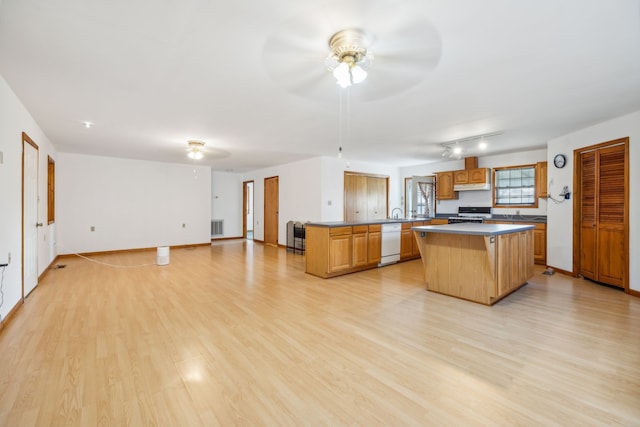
point(226, 201)
point(480, 198)
point(131, 203)
point(15, 119)
point(560, 219)
point(312, 190)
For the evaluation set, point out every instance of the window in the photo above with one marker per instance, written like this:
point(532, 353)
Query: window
point(515, 187)
point(51, 190)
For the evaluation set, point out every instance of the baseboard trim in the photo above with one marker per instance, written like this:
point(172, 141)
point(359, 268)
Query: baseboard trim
point(561, 271)
point(9, 317)
point(125, 251)
point(634, 293)
point(217, 239)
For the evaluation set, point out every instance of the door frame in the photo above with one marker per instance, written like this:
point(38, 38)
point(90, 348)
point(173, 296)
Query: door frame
point(577, 169)
point(27, 140)
point(245, 205)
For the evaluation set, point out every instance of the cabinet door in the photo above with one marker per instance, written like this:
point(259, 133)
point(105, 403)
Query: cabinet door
point(478, 176)
point(540, 246)
point(461, 177)
point(444, 186)
point(415, 249)
point(374, 247)
point(339, 253)
point(541, 179)
point(360, 253)
point(406, 244)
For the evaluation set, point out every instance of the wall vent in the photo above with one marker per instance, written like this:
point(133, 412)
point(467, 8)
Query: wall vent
point(217, 227)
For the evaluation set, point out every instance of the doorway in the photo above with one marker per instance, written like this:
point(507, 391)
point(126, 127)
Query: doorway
point(271, 203)
point(601, 219)
point(30, 222)
point(247, 208)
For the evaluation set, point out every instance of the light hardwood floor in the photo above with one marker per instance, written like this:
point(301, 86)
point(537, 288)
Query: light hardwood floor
point(237, 334)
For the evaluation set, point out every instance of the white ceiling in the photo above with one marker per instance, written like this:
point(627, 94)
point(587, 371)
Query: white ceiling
point(248, 77)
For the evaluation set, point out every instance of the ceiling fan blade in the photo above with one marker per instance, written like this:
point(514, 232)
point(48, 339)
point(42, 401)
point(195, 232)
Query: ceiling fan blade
point(405, 46)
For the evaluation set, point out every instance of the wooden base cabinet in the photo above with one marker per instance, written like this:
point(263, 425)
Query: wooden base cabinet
point(409, 248)
point(360, 239)
point(374, 244)
point(334, 251)
point(479, 268)
point(539, 239)
point(340, 242)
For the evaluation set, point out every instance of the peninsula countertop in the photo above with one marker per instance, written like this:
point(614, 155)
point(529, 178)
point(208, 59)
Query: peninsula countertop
point(474, 229)
point(365, 222)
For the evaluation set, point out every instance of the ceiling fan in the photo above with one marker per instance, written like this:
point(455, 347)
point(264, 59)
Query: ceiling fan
point(396, 45)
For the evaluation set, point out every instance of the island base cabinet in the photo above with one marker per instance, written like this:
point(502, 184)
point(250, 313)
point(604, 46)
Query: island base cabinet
point(477, 268)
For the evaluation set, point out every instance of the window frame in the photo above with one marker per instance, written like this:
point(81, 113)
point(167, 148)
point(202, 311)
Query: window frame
point(515, 205)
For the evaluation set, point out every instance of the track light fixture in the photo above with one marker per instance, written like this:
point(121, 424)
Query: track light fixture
point(456, 148)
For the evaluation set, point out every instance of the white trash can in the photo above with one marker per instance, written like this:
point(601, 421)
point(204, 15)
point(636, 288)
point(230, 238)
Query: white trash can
point(163, 255)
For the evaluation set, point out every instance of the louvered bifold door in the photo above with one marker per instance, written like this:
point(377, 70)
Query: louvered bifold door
point(610, 215)
point(588, 201)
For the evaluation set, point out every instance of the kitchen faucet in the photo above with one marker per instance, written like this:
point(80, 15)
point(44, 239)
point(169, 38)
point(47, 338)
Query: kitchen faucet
point(395, 216)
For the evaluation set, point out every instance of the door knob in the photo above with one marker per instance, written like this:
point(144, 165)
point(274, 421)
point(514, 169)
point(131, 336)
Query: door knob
point(38, 224)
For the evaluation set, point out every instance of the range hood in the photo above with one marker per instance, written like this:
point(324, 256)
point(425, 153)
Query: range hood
point(470, 187)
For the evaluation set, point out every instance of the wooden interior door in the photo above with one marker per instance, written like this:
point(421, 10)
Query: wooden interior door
point(30, 222)
point(603, 211)
point(271, 204)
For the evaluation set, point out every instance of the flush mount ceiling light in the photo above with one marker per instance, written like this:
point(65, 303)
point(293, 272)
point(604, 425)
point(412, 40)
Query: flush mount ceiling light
point(349, 57)
point(195, 149)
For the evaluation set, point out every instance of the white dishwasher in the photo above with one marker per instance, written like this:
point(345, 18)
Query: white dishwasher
point(390, 243)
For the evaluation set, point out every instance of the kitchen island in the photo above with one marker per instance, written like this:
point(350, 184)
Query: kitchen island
point(477, 262)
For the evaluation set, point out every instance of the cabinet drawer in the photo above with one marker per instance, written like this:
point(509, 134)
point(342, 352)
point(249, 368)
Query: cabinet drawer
point(360, 228)
point(375, 227)
point(335, 231)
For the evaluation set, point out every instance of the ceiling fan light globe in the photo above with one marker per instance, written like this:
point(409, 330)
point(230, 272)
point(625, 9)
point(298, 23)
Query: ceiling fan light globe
point(195, 155)
point(358, 74)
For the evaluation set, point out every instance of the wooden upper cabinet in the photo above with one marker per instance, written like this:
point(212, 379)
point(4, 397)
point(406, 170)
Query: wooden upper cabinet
point(461, 177)
point(541, 179)
point(444, 186)
point(470, 176)
point(478, 175)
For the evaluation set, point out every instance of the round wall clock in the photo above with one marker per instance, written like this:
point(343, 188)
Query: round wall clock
point(560, 160)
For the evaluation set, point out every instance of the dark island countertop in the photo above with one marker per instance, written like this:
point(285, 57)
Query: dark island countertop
point(474, 229)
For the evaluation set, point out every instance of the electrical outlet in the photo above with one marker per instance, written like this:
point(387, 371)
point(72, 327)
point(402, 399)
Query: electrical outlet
point(93, 228)
point(184, 225)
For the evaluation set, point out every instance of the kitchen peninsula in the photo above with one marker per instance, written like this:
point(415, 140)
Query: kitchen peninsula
point(343, 247)
point(477, 262)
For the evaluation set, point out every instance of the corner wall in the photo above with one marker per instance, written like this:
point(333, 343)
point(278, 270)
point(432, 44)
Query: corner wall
point(131, 203)
point(560, 219)
point(15, 119)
